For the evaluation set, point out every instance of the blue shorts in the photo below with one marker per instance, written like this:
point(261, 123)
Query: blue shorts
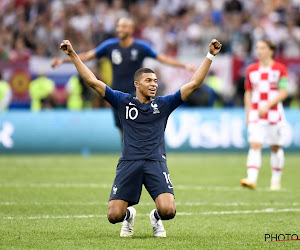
point(131, 175)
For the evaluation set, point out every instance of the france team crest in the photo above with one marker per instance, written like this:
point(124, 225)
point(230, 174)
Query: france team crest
point(134, 54)
point(155, 108)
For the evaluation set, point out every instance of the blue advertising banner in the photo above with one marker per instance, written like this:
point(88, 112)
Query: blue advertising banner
point(196, 129)
point(189, 129)
point(58, 132)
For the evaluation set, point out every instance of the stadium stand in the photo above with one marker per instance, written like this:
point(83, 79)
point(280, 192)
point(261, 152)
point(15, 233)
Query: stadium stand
point(180, 28)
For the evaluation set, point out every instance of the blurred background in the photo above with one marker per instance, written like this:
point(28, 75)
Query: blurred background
point(213, 118)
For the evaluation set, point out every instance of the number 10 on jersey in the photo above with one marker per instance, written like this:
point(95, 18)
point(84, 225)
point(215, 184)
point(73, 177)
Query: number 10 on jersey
point(131, 112)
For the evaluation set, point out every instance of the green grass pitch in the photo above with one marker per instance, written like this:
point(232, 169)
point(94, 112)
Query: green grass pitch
point(60, 202)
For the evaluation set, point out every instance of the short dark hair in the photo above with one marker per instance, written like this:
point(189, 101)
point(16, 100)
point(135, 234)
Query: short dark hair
point(270, 44)
point(141, 71)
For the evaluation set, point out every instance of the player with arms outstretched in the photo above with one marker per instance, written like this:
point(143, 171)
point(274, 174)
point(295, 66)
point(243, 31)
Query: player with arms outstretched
point(143, 161)
point(265, 89)
point(126, 55)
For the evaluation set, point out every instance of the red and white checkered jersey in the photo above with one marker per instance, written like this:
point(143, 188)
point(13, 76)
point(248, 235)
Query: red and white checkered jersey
point(265, 84)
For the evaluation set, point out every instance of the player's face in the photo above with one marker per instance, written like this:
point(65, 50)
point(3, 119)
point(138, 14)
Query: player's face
point(147, 85)
point(124, 29)
point(263, 51)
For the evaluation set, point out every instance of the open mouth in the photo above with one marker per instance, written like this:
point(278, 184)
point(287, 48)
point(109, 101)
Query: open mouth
point(152, 91)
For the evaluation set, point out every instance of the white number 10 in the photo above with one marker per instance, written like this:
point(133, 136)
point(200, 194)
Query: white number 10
point(129, 113)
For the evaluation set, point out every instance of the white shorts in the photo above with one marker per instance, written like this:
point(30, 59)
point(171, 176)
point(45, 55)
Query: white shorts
point(265, 133)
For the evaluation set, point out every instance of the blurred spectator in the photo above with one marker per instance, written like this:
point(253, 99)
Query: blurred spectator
point(41, 91)
point(204, 96)
point(4, 56)
point(214, 82)
point(291, 47)
point(182, 24)
point(80, 95)
point(180, 28)
point(5, 94)
point(20, 53)
point(74, 90)
point(82, 20)
point(239, 91)
point(233, 6)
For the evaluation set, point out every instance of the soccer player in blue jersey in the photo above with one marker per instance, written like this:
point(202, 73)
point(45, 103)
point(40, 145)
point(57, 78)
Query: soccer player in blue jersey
point(143, 119)
point(126, 55)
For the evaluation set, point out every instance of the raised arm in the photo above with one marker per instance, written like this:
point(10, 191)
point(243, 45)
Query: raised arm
point(83, 70)
point(173, 62)
point(198, 77)
point(85, 56)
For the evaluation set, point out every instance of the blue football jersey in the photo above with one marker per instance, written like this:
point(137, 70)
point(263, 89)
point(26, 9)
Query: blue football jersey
point(125, 61)
point(143, 124)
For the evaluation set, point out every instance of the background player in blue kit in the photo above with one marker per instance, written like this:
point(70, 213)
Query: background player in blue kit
point(143, 119)
point(126, 55)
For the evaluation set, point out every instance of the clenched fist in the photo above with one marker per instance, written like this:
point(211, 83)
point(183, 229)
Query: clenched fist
point(66, 47)
point(214, 47)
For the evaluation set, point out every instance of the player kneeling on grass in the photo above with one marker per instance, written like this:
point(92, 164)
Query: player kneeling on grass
point(143, 161)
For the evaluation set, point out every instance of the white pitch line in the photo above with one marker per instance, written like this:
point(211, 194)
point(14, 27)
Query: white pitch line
point(235, 204)
point(267, 210)
point(191, 204)
point(108, 186)
point(36, 203)
point(223, 188)
point(56, 185)
point(55, 217)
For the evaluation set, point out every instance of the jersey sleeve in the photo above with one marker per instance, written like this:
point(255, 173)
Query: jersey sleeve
point(114, 97)
point(173, 101)
point(282, 84)
point(102, 48)
point(149, 52)
point(248, 85)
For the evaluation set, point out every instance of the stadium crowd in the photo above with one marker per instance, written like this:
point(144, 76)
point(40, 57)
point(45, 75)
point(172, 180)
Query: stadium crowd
point(174, 27)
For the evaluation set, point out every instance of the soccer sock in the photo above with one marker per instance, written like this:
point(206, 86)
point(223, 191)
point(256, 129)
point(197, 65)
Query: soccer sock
point(253, 164)
point(157, 215)
point(127, 215)
point(277, 163)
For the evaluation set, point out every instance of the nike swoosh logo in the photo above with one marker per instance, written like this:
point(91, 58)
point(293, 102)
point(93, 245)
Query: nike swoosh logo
point(130, 103)
point(170, 187)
